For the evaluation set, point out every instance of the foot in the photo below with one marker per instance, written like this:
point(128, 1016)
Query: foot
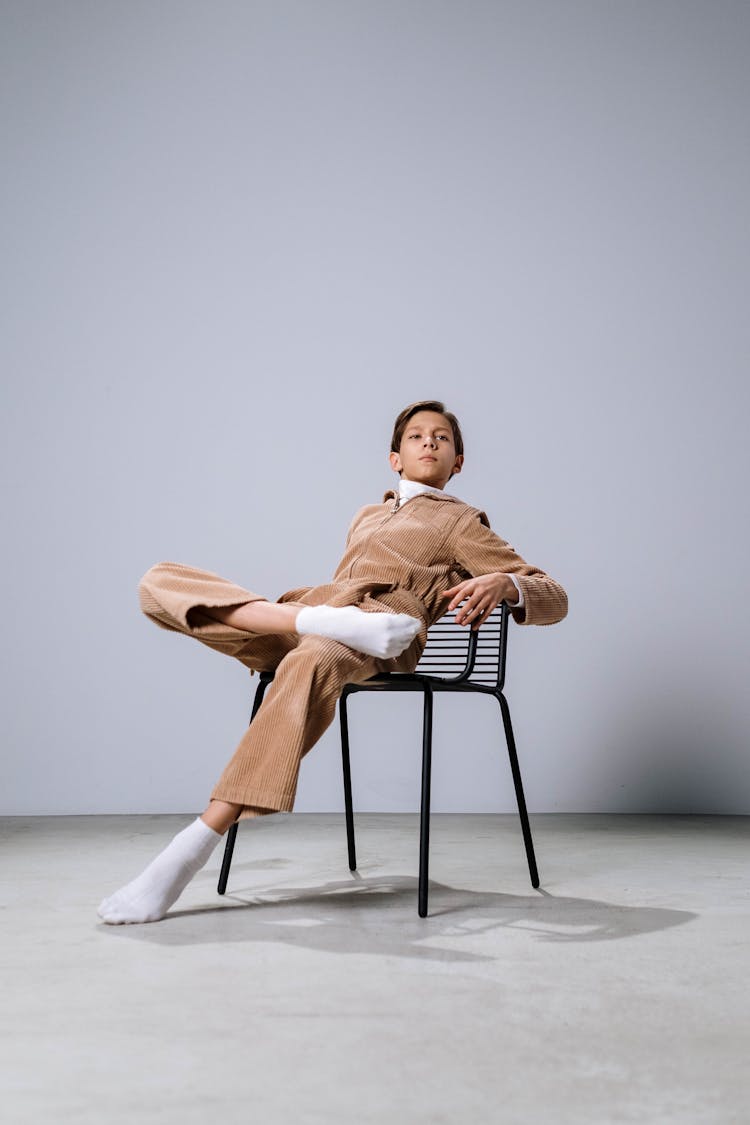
point(148, 897)
point(377, 634)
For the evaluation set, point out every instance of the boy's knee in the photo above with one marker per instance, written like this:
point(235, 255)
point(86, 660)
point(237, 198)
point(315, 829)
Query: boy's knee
point(321, 650)
point(332, 658)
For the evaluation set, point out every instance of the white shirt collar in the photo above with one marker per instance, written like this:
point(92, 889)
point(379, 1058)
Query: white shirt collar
point(409, 488)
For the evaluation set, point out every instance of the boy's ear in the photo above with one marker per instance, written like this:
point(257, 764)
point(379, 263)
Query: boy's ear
point(458, 463)
point(395, 461)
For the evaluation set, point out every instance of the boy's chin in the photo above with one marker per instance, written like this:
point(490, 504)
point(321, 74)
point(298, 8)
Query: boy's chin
point(430, 478)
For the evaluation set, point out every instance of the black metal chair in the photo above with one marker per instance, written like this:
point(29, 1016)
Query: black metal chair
point(455, 658)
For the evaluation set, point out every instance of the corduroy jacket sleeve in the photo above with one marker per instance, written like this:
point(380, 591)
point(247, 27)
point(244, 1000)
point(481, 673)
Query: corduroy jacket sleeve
point(478, 550)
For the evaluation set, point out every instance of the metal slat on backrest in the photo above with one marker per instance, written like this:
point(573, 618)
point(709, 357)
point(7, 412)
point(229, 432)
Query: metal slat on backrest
point(445, 653)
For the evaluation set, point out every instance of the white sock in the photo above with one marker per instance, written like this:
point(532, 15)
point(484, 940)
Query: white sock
point(150, 895)
point(377, 634)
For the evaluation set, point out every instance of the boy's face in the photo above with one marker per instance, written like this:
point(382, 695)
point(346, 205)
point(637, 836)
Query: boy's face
point(428, 452)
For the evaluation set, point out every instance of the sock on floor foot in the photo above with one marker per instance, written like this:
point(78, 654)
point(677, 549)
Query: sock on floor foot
point(149, 896)
point(377, 634)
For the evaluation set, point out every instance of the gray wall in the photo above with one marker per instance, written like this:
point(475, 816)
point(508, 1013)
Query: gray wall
point(239, 237)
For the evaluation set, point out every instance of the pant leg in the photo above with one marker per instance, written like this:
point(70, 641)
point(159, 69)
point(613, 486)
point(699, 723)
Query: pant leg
point(171, 594)
point(300, 703)
point(298, 707)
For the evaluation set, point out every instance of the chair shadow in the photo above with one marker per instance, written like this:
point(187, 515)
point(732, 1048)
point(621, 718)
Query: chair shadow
point(379, 916)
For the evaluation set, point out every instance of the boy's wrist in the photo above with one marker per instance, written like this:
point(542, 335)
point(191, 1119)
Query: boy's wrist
point(511, 590)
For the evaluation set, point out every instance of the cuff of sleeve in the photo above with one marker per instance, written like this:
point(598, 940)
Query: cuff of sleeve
point(517, 584)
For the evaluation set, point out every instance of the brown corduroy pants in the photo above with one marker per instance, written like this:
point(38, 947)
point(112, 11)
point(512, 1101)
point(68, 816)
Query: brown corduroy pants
point(300, 703)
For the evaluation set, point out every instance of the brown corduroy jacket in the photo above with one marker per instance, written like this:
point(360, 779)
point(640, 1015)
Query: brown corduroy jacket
point(407, 555)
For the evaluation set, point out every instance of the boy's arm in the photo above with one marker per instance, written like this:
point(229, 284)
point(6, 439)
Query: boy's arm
point(479, 551)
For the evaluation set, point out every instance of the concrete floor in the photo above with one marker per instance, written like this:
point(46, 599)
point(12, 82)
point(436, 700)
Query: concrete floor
point(618, 992)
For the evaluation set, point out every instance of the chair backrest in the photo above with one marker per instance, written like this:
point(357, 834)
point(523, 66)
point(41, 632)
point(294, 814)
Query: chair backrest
point(477, 657)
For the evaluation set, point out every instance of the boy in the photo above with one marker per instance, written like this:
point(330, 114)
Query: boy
point(406, 562)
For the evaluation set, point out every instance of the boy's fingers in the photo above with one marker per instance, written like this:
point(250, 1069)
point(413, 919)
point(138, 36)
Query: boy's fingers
point(459, 593)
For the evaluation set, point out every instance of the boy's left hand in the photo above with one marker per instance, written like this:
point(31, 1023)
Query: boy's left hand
point(480, 596)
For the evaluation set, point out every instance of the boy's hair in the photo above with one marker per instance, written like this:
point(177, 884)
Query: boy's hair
point(427, 404)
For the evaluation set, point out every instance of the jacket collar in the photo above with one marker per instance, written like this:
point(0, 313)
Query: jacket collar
point(393, 495)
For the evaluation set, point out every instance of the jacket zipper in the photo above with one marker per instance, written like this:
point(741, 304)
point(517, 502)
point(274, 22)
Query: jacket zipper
point(388, 516)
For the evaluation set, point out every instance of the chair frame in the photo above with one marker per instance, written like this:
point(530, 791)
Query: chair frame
point(456, 645)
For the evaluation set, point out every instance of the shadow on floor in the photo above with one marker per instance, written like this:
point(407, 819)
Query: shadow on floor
point(379, 916)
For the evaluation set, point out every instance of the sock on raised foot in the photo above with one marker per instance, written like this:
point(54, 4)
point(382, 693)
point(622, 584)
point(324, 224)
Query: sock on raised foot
point(377, 634)
point(149, 896)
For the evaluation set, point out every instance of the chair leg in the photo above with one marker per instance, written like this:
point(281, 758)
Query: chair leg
point(515, 769)
point(232, 833)
point(424, 823)
point(343, 717)
point(227, 861)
